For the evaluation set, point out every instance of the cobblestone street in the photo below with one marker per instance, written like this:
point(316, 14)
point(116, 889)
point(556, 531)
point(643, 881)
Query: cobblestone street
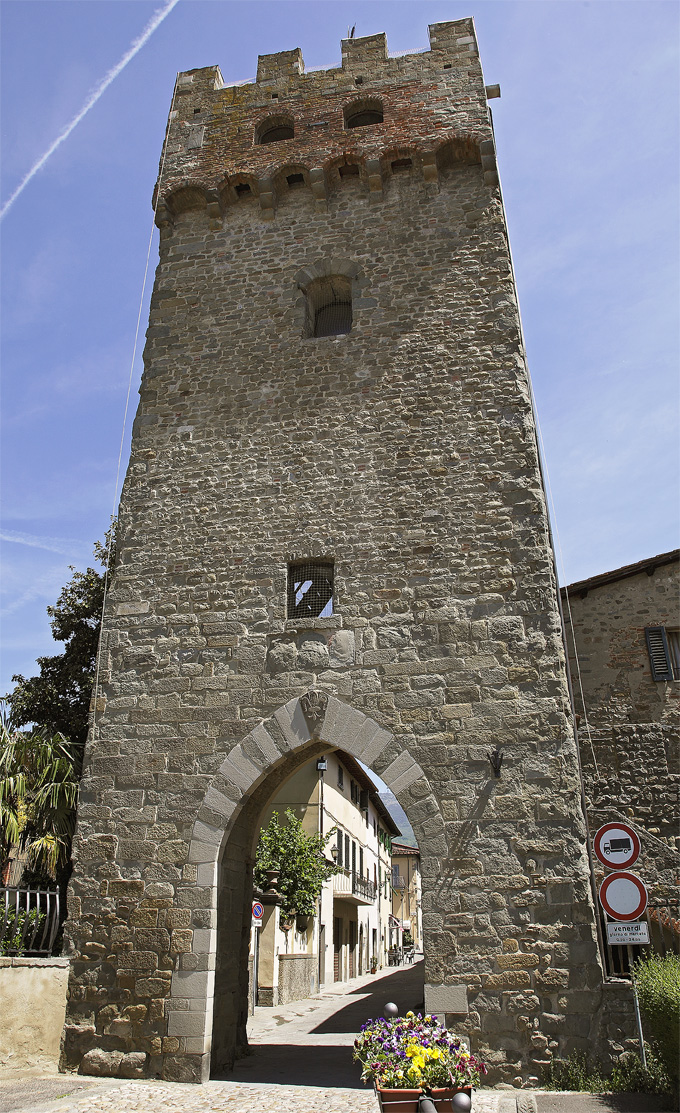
point(301, 1062)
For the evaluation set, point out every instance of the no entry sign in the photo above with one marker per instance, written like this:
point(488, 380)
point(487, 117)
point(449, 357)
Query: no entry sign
point(616, 845)
point(623, 896)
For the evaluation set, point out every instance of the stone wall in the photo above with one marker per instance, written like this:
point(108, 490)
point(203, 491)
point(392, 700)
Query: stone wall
point(298, 977)
point(629, 737)
point(404, 452)
point(32, 1008)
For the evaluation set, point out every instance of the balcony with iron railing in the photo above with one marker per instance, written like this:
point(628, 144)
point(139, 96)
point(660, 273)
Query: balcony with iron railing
point(363, 888)
point(350, 886)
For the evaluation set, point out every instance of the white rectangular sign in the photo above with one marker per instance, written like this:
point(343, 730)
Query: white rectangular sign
point(633, 933)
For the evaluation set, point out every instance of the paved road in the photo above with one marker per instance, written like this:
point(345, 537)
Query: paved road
point(301, 1062)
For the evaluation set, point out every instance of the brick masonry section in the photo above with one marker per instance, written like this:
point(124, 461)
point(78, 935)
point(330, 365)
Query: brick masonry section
point(404, 452)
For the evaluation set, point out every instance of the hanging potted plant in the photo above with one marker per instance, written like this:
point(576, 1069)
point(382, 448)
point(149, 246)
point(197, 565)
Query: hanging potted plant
point(412, 1055)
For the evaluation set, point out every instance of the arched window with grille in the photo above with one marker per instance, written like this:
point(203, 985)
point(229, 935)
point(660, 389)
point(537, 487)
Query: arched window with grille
point(329, 306)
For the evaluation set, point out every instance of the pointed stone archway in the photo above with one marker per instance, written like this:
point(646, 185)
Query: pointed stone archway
point(293, 735)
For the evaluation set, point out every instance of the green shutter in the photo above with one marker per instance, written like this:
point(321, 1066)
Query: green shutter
point(659, 656)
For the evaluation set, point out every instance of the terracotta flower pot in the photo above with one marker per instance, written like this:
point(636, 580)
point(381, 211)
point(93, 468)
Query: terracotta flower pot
point(442, 1097)
point(398, 1101)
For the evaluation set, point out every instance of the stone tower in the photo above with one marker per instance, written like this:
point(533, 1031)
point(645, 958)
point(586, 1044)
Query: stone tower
point(333, 533)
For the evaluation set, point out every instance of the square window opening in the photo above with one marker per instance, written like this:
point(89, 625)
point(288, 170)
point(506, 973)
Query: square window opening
point(310, 590)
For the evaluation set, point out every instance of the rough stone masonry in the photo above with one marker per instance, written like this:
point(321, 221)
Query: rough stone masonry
point(402, 452)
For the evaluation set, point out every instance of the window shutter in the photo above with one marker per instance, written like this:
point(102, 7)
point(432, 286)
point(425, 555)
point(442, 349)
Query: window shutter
point(659, 657)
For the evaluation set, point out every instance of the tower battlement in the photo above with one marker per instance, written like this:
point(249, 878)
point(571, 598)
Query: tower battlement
point(375, 113)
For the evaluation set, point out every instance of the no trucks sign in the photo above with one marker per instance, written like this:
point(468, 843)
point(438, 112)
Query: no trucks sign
point(617, 846)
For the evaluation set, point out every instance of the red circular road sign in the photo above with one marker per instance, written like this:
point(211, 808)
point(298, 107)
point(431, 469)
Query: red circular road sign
point(616, 845)
point(623, 896)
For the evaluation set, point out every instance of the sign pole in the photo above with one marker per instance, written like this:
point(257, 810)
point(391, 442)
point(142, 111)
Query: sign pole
point(643, 1053)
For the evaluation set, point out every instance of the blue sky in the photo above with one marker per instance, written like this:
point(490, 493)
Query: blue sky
point(587, 135)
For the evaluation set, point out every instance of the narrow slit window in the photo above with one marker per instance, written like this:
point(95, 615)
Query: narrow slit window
point(310, 590)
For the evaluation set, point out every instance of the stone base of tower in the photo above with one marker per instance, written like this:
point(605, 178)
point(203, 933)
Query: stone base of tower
point(160, 984)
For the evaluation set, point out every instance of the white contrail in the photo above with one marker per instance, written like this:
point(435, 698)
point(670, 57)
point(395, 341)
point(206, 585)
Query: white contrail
point(103, 85)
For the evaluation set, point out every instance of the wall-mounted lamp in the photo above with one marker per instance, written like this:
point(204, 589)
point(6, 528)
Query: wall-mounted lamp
point(322, 765)
point(496, 760)
point(334, 853)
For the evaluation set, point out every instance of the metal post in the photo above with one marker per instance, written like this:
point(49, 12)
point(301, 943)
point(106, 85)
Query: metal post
point(643, 1053)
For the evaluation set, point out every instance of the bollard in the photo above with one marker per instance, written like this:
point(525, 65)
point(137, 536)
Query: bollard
point(426, 1105)
point(461, 1103)
point(390, 1010)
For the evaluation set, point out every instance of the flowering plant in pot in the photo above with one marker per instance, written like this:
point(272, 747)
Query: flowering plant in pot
point(415, 1053)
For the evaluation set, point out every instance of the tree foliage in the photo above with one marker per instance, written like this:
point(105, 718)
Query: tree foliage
point(38, 793)
point(58, 698)
point(300, 860)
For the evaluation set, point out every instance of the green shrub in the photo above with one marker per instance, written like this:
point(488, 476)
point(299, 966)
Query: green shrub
point(657, 978)
point(574, 1073)
point(19, 927)
point(628, 1076)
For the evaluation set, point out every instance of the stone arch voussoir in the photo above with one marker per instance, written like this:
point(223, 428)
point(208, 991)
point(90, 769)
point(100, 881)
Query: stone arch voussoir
point(325, 268)
point(339, 725)
point(314, 715)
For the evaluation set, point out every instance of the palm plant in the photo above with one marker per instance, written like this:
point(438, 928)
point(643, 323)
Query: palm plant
point(38, 794)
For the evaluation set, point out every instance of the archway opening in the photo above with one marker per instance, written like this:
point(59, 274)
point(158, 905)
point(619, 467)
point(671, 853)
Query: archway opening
point(366, 921)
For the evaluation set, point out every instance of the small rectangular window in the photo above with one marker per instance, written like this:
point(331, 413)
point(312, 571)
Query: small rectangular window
point(341, 777)
point(310, 589)
point(329, 306)
point(663, 647)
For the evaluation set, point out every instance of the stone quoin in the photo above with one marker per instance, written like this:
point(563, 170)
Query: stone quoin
point(334, 376)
